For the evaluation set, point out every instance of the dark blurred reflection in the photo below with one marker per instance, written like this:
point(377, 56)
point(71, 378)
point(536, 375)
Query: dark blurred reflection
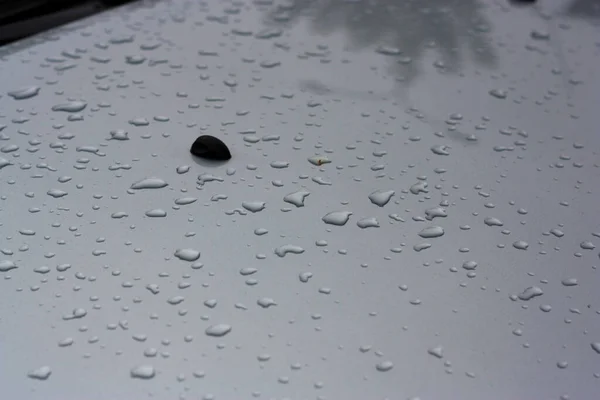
point(453, 29)
point(584, 9)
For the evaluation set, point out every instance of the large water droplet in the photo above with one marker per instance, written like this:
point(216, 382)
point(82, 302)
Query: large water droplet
point(7, 265)
point(318, 160)
point(187, 254)
point(338, 218)
point(72, 106)
point(370, 222)
point(144, 371)
point(56, 193)
point(41, 373)
point(521, 245)
point(569, 282)
point(431, 232)
point(384, 366)
point(24, 93)
point(281, 251)
point(156, 213)
point(296, 198)
point(381, 197)
point(530, 293)
point(149, 183)
point(254, 206)
point(437, 351)
point(218, 330)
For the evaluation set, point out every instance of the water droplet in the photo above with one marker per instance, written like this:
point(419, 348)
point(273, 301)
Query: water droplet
point(7, 265)
point(260, 231)
point(437, 351)
point(254, 206)
point(493, 222)
point(557, 232)
point(305, 276)
point(139, 122)
point(421, 246)
point(539, 35)
point(149, 183)
point(521, 245)
point(498, 93)
point(384, 366)
point(431, 232)
point(440, 150)
point(569, 282)
point(156, 213)
point(469, 265)
point(66, 342)
point(75, 314)
point(318, 160)
point(296, 198)
point(56, 193)
point(24, 93)
point(388, 50)
point(530, 293)
point(281, 251)
point(370, 222)
point(279, 164)
point(187, 254)
point(119, 134)
point(135, 59)
point(436, 212)
point(381, 197)
point(183, 201)
point(419, 187)
point(175, 300)
point(266, 302)
point(41, 373)
point(218, 330)
point(182, 169)
point(144, 371)
point(338, 218)
point(321, 181)
point(4, 163)
point(596, 347)
point(71, 107)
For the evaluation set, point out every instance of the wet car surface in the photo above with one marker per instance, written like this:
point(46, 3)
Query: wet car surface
point(410, 209)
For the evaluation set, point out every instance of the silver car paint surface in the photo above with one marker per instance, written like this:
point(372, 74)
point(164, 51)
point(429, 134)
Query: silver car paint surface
point(411, 209)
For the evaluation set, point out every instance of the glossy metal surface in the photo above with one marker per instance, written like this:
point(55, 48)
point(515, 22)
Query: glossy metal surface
point(479, 119)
